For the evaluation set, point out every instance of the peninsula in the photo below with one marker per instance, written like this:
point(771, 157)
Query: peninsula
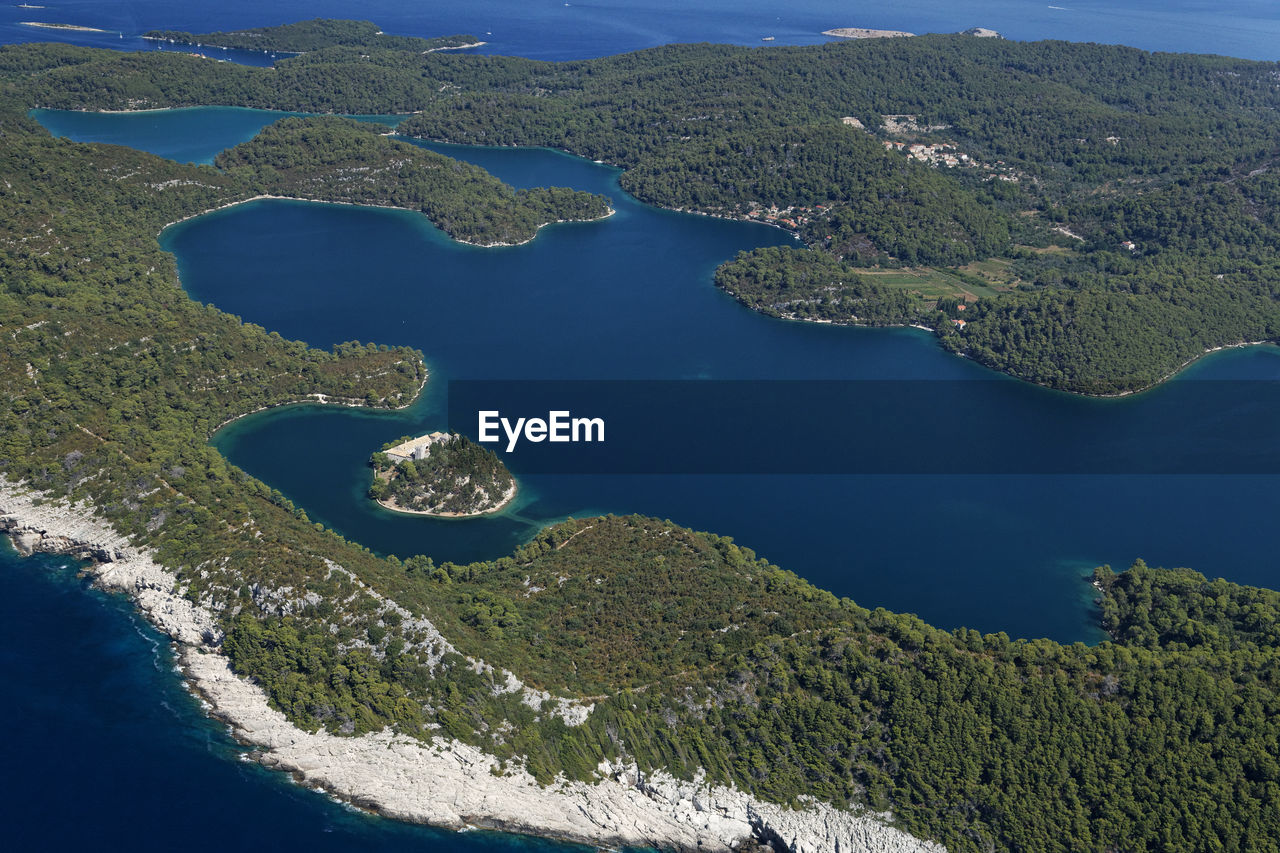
point(441, 474)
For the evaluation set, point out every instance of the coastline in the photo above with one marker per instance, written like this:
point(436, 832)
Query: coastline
point(796, 235)
point(499, 507)
point(727, 218)
point(1116, 395)
point(443, 783)
point(1177, 370)
point(455, 47)
point(220, 46)
point(536, 232)
point(864, 33)
point(72, 27)
point(290, 53)
point(318, 399)
point(612, 211)
point(265, 197)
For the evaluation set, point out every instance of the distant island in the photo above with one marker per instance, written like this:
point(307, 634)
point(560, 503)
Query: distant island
point(316, 34)
point(45, 26)
point(440, 474)
point(863, 33)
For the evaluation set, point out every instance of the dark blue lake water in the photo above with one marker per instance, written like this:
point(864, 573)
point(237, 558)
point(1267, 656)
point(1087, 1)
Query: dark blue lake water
point(103, 729)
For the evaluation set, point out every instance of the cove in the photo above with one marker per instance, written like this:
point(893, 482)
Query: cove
point(631, 297)
point(189, 135)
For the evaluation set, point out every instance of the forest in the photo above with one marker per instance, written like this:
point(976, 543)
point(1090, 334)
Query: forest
point(693, 652)
point(1163, 739)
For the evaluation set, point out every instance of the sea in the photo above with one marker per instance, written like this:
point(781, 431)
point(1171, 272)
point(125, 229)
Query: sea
point(106, 731)
point(556, 30)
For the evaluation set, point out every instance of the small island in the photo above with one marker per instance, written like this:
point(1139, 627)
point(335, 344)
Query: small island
point(440, 474)
point(863, 33)
point(316, 34)
point(47, 26)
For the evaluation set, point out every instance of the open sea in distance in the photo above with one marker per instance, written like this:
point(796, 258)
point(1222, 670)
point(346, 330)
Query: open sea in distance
point(554, 29)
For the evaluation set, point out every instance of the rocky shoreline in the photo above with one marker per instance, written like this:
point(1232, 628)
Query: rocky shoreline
point(864, 33)
point(443, 783)
point(503, 503)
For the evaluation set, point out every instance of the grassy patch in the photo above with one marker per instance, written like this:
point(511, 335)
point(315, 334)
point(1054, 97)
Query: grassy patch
point(934, 284)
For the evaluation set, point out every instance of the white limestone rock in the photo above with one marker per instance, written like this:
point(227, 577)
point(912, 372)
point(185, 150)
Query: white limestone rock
point(442, 782)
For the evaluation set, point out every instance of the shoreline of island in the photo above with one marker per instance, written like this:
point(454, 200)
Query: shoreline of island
point(386, 468)
point(390, 505)
point(443, 782)
point(735, 218)
point(855, 323)
point(1115, 395)
point(211, 46)
point(729, 217)
point(71, 27)
point(865, 33)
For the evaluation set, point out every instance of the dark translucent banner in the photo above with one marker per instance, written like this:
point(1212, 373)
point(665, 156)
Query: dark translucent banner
point(868, 427)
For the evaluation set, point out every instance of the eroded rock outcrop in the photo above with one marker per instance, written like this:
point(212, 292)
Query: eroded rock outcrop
point(441, 782)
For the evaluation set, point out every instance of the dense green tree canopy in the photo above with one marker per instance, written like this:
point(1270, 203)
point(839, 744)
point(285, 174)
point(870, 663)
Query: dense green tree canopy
point(457, 477)
point(692, 651)
point(312, 35)
point(1150, 173)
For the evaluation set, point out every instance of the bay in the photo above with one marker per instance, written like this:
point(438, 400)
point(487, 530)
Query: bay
point(995, 553)
point(191, 135)
point(596, 300)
